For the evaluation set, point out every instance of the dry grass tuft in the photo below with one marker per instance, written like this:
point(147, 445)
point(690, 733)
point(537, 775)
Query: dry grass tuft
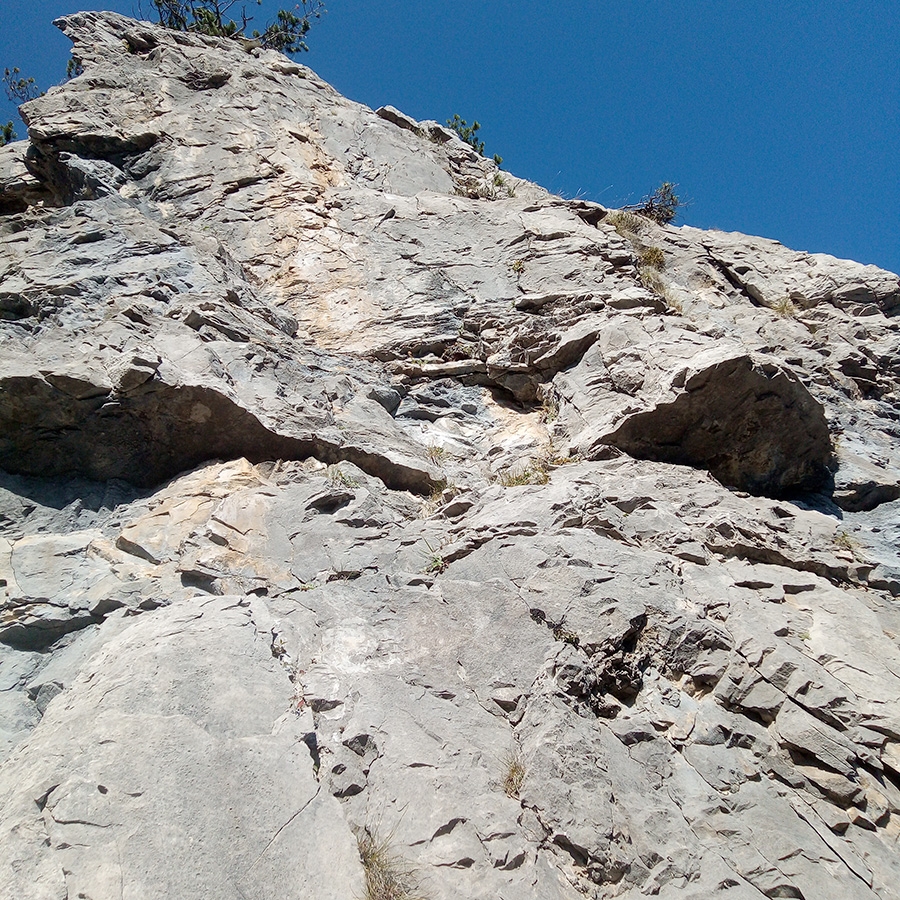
point(626, 223)
point(846, 542)
point(534, 474)
point(785, 307)
point(513, 774)
point(653, 258)
point(339, 478)
point(388, 876)
point(653, 281)
point(436, 454)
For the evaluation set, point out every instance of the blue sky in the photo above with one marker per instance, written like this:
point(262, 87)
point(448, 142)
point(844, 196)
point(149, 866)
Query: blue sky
point(779, 119)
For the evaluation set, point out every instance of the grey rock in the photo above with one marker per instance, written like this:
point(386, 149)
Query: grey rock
point(747, 420)
point(354, 487)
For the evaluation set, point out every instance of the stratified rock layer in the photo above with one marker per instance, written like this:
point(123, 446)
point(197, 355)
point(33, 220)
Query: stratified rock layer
point(351, 486)
point(752, 426)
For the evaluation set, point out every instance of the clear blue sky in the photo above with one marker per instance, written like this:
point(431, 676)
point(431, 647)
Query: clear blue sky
point(776, 118)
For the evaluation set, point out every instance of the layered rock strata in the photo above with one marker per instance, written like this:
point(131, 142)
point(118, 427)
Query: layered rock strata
point(354, 490)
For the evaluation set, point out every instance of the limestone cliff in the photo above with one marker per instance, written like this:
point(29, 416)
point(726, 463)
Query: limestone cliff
point(352, 487)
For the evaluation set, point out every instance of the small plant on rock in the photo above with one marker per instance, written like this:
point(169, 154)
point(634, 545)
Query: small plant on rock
point(388, 875)
point(513, 774)
point(555, 458)
point(567, 636)
point(661, 206)
point(338, 477)
point(483, 189)
point(18, 88)
point(785, 307)
point(653, 257)
point(7, 134)
point(549, 409)
point(626, 223)
point(435, 563)
point(469, 134)
point(436, 498)
point(536, 473)
point(436, 454)
point(846, 541)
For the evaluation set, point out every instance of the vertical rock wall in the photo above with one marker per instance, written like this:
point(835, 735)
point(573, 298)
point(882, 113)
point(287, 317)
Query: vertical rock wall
point(357, 495)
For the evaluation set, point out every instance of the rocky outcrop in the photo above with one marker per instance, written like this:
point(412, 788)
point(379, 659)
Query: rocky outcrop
point(355, 493)
point(744, 417)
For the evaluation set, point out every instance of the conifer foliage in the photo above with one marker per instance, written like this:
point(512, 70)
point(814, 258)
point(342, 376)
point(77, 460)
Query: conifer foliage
point(469, 133)
point(286, 33)
point(21, 90)
point(661, 206)
point(18, 87)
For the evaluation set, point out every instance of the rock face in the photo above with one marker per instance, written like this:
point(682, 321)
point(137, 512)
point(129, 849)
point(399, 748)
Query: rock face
point(355, 492)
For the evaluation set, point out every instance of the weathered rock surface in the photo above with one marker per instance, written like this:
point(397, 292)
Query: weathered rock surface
point(352, 486)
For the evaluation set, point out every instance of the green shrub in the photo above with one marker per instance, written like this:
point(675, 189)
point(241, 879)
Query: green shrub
point(213, 17)
point(661, 206)
point(17, 88)
point(74, 68)
point(469, 133)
